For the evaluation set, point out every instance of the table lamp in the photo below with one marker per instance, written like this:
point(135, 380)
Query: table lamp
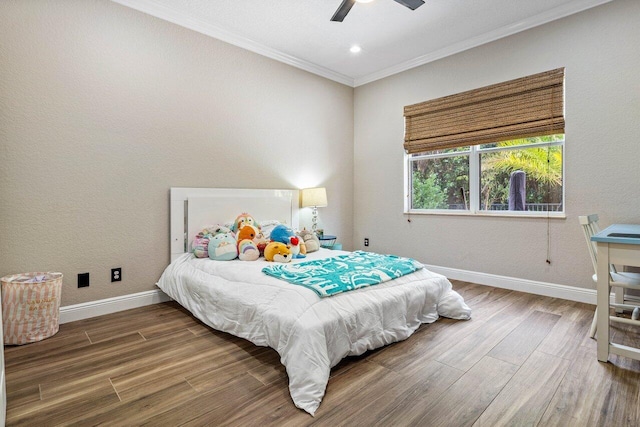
point(315, 198)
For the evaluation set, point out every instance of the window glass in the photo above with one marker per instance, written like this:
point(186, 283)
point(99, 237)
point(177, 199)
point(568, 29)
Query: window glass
point(527, 179)
point(440, 182)
point(521, 176)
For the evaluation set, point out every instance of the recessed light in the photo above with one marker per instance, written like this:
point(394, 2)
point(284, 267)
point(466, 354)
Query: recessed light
point(355, 48)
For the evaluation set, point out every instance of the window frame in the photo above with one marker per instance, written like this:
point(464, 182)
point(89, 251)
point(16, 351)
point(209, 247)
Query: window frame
point(474, 153)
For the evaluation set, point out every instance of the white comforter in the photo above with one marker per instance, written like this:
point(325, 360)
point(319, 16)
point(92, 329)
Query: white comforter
point(310, 333)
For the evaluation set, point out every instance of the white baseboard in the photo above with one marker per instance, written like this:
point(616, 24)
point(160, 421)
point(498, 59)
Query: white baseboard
point(90, 309)
point(571, 293)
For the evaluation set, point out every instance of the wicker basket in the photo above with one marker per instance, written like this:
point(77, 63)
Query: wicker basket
point(30, 306)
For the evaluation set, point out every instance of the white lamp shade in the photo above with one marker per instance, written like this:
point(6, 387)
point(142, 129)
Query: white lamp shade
point(314, 197)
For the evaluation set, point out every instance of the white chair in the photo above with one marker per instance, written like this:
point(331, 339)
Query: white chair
point(618, 281)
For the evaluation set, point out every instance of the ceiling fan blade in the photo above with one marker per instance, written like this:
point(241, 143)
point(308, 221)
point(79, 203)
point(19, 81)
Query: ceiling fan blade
point(342, 11)
point(411, 4)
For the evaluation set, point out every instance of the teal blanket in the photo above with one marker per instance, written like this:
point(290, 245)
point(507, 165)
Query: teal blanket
point(343, 273)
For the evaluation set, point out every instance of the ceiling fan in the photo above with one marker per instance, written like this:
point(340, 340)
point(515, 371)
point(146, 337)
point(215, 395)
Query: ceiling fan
point(346, 6)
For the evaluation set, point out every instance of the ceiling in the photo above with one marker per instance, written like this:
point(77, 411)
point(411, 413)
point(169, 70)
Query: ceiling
point(392, 37)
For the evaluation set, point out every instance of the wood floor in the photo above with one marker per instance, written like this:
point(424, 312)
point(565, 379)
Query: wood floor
point(522, 360)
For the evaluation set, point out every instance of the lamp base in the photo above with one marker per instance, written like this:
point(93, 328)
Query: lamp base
point(314, 220)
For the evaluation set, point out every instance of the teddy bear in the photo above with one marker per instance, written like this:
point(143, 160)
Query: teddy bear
point(311, 241)
point(278, 252)
point(222, 247)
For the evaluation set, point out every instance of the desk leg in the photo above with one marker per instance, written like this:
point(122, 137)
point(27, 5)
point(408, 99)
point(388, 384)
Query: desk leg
point(603, 292)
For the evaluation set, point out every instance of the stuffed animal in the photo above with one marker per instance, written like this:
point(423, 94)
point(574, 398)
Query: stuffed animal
point(311, 241)
point(242, 220)
point(247, 250)
point(283, 234)
point(303, 246)
point(247, 246)
point(200, 246)
point(247, 232)
point(261, 242)
point(222, 247)
point(278, 252)
point(295, 246)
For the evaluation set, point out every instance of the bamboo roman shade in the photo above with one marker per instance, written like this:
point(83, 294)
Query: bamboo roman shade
point(520, 108)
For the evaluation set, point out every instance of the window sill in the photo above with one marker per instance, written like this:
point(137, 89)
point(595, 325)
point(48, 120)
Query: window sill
point(500, 214)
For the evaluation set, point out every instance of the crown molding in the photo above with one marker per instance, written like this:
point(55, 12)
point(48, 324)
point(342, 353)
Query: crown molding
point(171, 15)
point(550, 15)
point(168, 14)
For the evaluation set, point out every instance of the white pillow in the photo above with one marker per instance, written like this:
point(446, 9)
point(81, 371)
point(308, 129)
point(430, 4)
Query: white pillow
point(266, 227)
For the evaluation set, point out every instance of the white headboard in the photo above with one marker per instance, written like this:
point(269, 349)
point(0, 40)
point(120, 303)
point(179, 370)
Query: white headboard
point(192, 209)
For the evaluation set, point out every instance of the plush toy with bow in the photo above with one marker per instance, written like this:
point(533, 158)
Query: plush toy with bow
point(283, 234)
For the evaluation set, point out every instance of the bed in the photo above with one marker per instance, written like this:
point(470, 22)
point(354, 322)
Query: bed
point(310, 333)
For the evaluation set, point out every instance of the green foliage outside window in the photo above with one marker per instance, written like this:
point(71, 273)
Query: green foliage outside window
point(444, 178)
point(438, 183)
point(427, 193)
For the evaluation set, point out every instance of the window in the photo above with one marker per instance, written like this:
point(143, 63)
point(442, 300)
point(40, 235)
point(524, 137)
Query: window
point(493, 150)
point(523, 176)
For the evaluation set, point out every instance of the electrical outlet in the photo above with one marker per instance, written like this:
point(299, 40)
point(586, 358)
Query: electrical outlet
point(83, 280)
point(116, 274)
point(366, 241)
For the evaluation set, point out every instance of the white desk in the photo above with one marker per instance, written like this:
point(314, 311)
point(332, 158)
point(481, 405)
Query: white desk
point(620, 250)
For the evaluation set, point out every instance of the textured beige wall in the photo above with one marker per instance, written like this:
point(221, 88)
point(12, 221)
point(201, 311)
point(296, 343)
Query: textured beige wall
point(599, 48)
point(103, 109)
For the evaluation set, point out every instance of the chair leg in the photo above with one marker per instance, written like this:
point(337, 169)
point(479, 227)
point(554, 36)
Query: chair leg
point(594, 324)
